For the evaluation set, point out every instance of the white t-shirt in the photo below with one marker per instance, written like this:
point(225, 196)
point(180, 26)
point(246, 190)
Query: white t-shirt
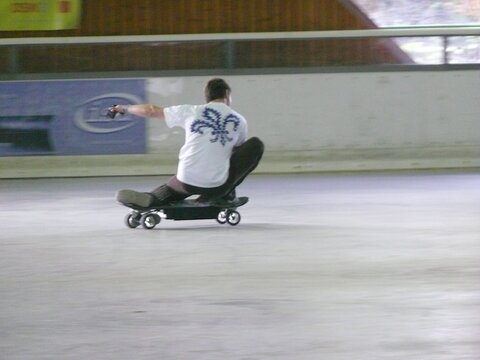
point(211, 132)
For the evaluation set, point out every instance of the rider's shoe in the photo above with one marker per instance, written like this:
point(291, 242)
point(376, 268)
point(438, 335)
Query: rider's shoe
point(231, 196)
point(218, 201)
point(137, 198)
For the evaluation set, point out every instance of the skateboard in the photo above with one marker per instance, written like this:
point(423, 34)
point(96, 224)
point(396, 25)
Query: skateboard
point(224, 212)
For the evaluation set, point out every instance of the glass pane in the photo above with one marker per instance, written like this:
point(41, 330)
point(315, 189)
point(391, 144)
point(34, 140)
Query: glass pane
point(423, 50)
point(318, 52)
point(464, 50)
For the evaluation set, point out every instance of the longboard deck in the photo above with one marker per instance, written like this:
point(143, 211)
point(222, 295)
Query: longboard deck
point(194, 204)
point(237, 202)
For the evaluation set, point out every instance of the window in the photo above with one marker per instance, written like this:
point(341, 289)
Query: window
point(429, 50)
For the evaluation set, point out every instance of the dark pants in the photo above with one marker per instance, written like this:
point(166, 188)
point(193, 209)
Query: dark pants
point(243, 161)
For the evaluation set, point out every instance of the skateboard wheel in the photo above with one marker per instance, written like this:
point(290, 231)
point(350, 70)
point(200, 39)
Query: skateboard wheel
point(132, 221)
point(233, 217)
point(222, 217)
point(149, 221)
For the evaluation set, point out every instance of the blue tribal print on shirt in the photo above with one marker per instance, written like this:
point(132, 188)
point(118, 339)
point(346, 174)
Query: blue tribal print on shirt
point(212, 119)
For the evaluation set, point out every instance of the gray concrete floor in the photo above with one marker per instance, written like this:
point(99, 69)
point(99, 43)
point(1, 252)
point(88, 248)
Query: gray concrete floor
point(363, 266)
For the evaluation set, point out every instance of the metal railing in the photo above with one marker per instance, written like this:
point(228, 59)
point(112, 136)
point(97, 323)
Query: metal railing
point(229, 40)
point(443, 31)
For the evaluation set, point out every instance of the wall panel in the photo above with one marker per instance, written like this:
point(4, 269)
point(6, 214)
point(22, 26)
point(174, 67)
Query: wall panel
point(311, 122)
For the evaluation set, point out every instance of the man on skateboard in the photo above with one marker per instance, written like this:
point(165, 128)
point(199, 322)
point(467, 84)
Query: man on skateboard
point(216, 156)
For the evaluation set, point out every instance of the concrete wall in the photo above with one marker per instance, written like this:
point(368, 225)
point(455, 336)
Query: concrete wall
point(314, 122)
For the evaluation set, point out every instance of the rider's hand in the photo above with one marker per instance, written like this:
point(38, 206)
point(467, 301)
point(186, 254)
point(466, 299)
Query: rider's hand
point(116, 109)
point(121, 109)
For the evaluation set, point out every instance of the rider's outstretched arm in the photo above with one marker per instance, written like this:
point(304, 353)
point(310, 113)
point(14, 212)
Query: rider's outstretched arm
point(143, 110)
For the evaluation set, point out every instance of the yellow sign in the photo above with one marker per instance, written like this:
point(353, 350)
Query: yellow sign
point(17, 15)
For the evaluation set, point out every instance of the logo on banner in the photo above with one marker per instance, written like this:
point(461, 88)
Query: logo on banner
point(90, 116)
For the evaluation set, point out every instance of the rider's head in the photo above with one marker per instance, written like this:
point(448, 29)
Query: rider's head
point(217, 89)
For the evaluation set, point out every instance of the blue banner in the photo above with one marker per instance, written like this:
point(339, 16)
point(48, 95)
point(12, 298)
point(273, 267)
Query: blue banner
point(68, 118)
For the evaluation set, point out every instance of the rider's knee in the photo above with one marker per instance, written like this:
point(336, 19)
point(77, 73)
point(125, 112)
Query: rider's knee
point(257, 143)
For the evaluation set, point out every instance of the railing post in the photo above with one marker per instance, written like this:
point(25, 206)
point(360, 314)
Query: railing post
point(230, 54)
point(446, 59)
point(13, 66)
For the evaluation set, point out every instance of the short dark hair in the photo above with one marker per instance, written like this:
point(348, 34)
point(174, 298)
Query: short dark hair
point(216, 89)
